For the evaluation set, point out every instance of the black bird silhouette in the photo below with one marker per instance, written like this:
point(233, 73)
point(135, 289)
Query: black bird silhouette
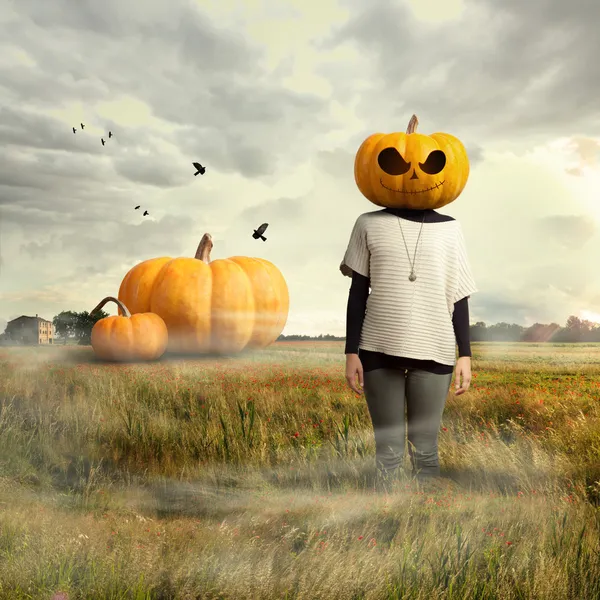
point(136, 207)
point(74, 130)
point(258, 233)
point(146, 213)
point(82, 126)
point(200, 169)
point(109, 134)
point(102, 140)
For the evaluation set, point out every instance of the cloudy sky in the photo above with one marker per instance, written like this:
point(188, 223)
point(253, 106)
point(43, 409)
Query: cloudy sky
point(274, 97)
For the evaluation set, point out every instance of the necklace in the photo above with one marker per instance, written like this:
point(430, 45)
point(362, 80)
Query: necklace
point(412, 276)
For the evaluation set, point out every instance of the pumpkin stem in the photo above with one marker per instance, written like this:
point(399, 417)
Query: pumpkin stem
point(112, 299)
point(204, 248)
point(412, 124)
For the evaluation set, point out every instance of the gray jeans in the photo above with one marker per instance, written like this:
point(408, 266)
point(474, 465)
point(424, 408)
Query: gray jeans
point(425, 393)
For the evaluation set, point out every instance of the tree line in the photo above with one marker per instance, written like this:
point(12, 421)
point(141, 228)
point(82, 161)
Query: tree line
point(576, 330)
point(77, 326)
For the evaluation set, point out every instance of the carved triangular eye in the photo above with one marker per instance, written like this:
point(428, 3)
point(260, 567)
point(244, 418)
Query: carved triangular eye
point(435, 162)
point(391, 162)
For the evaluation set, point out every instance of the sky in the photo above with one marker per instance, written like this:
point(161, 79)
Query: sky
point(274, 98)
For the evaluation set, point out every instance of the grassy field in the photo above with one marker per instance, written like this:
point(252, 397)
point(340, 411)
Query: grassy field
point(252, 477)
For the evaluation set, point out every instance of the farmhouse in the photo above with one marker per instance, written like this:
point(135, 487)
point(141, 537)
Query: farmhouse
point(30, 330)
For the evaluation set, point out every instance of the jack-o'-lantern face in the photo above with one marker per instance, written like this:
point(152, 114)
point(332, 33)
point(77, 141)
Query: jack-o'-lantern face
point(411, 170)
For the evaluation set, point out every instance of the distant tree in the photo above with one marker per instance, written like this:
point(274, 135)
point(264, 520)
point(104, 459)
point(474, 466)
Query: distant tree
point(540, 332)
point(77, 325)
point(504, 332)
point(84, 325)
point(578, 330)
point(478, 332)
point(64, 324)
point(594, 333)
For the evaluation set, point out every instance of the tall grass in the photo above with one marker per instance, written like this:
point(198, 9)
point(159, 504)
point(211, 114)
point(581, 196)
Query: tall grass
point(252, 477)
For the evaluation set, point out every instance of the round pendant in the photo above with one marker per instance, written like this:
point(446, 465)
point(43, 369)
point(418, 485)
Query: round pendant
point(412, 277)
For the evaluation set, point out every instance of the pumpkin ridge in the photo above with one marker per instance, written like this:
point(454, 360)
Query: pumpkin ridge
point(264, 325)
point(283, 297)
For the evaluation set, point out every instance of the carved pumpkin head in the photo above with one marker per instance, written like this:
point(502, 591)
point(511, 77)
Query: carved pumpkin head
point(411, 170)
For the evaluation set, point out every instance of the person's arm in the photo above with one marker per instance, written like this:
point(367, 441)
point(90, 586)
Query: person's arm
point(355, 314)
point(460, 321)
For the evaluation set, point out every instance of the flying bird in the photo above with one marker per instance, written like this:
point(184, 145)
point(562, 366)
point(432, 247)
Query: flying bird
point(82, 126)
point(74, 130)
point(258, 233)
point(109, 134)
point(102, 140)
point(200, 169)
point(136, 207)
point(146, 213)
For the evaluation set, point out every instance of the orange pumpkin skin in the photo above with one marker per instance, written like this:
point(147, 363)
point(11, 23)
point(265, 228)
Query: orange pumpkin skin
point(220, 306)
point(414, 189)
point(136, 286)
point(143, 336)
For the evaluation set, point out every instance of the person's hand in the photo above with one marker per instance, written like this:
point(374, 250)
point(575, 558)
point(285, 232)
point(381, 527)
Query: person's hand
point(353, 368)
point(463, 369)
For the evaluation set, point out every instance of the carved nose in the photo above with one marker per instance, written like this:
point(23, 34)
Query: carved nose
point(414, 175)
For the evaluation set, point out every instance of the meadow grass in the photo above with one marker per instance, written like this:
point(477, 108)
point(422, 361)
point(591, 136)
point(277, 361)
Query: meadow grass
point(252, 477)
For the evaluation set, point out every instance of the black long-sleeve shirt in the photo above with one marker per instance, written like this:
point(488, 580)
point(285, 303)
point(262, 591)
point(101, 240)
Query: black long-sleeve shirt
point(357, 302)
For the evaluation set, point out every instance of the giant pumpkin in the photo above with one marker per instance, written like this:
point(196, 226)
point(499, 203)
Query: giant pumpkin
point(411, 170)
point(210, 306)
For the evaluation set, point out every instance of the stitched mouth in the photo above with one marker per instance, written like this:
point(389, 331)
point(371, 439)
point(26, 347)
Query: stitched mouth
point(434, 187)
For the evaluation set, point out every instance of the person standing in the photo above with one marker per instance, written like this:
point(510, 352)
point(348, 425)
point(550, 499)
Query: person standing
point(401, 338)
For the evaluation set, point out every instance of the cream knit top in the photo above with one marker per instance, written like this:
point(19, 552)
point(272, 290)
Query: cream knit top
point(410, 318)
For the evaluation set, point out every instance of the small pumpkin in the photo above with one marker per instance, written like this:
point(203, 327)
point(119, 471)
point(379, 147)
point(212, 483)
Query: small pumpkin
point(143, 336)
point(411, 170)
point(219, 306)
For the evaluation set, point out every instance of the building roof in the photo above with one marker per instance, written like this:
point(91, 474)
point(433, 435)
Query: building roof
point(36, 318)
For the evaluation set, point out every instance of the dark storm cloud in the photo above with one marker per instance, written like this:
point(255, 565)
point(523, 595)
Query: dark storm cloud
point(164, 171)
point(44, 170)
point(209, 81)
point(41, 187)
point(29, 129)
point(251, 128)
point(280, 214)
point(279, 210)
point(227, 153)
point(338, 163)
point(475, 154)
point(506, 69)
point(570, 231)
point(558, 275)
point(117, 243)
point(60, 162)
point(498, 308)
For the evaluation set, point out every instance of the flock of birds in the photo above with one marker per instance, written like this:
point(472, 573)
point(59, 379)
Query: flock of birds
point(101, 139)
point(200, 170)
